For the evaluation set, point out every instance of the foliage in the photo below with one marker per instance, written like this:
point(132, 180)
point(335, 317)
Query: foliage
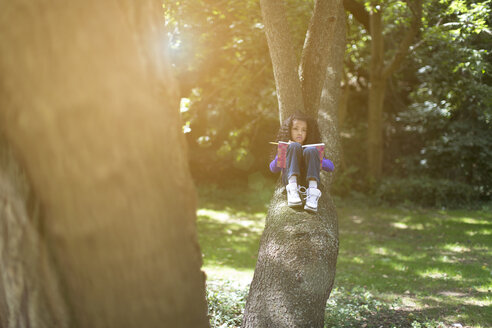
point(449, 120)
point(226, 300)
point(359, 308)
point(347, 182)
point(438, 107)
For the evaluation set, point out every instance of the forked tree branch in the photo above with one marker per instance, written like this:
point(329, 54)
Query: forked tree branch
point(407, 41)
point(283, 57)
point(314, 60)
point(359, 12)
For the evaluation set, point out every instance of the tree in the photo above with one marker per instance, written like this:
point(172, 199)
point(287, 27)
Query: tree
point(296, 264)
point(97, 218)
point(379, 74)
point(381, 68)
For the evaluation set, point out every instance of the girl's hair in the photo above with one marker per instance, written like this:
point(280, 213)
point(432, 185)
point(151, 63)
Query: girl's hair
point(312, 135)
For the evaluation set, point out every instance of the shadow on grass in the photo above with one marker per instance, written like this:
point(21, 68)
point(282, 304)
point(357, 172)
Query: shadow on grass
point(229, 240)
point(236, 199)
point(440, 260)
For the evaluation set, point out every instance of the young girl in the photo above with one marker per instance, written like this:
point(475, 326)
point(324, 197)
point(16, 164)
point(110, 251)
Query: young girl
point(302, 164)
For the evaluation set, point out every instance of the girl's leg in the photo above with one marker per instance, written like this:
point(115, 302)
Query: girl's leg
point(311, 163)
point(293, 162)
point(313, 167)
point(291, 172)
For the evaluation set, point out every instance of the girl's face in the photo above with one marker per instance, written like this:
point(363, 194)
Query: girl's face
point(298, 131)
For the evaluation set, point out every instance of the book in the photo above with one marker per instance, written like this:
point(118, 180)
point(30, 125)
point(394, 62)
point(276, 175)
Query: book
point(282, 152)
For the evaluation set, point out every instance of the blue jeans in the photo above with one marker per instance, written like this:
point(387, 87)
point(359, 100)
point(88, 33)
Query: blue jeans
point(303, 162)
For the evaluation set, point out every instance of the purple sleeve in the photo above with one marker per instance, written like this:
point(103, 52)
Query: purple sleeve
point(327, 165)
point(273, 166)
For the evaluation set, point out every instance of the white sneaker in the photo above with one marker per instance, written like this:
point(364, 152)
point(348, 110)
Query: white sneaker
point(313, 194)
point(293, 198)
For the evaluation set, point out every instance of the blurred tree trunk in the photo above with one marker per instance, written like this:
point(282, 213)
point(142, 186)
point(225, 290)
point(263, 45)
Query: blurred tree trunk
point(97, 207)
point(376, 97)
point(343, 104)
point(296, 264)
point(379, 74)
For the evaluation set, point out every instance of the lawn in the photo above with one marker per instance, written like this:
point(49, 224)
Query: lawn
point(397, 267)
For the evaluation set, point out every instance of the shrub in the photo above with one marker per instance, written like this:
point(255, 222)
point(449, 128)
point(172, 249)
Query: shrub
point(359, 308)
point(226, 301)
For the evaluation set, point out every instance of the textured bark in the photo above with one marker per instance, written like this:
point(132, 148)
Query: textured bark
point(100, 230)
point(314, 59)
point(30, 294)
point(331, 95)
point(296, 264)
point(283, 57)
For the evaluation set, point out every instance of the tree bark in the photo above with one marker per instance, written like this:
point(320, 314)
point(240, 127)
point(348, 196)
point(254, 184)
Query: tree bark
point(331, 94)
point(296, 264)
point(30, 294)
point(97, 205)
point(314, 58)
point(283, 57)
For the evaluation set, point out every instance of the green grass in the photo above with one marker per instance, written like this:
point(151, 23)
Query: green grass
point(412, 267)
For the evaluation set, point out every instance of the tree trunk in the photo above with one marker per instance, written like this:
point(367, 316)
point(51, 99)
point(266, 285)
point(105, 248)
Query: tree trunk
point(343, 105)
point(296, 264)
point(283, 57)
point(376, 97)
point(314, 58)
point(375, 127)
point(379, 74)
point(331, 95)
point(97, 213)
point(30, 294)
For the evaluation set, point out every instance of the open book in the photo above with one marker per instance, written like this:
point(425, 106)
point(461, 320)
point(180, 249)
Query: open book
point(282, 152)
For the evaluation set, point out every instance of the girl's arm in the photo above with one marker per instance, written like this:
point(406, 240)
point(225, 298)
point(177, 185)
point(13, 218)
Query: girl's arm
point(327, 165)
point(273, 166)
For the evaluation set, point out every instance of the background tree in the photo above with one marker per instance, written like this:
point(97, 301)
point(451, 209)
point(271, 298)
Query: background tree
point(379, 72)
point(418, 121)
point(297, 258)
point(97, 219)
